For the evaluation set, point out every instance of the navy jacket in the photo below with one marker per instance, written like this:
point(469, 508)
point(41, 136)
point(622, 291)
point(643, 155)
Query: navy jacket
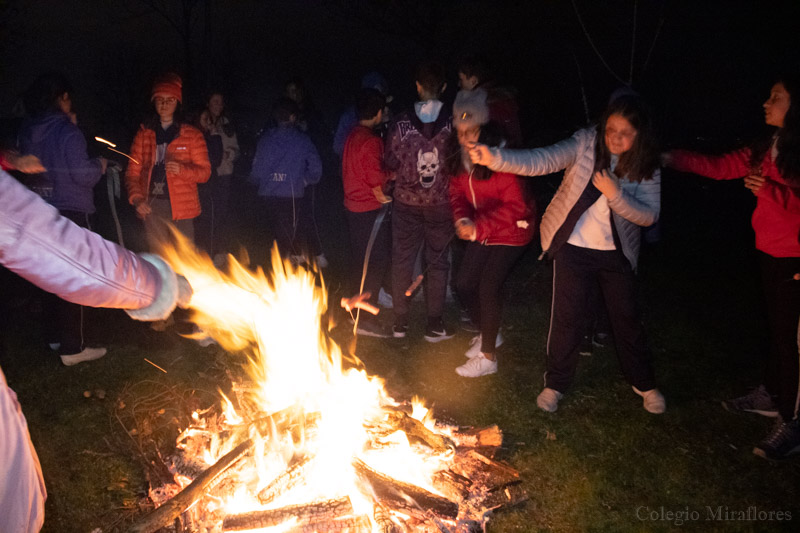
point(286, 162)
point(71, 176)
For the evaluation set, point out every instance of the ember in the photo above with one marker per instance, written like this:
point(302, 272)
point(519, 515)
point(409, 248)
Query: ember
point(314, 443)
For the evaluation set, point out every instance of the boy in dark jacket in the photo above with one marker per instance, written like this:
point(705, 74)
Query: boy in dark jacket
point(416, 149)
point(286, 161)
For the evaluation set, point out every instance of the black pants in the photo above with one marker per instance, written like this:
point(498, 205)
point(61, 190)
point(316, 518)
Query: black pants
point(483, 271)
point(286, 218)
point(63, 319)
point(782, 294)
point(211, 227)
point(575, 269)
point(413, 226)
point(380, 258)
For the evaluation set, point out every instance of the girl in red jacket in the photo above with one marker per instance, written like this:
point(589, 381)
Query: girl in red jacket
point(771, 170)
point(170, 159)
point(491, 213)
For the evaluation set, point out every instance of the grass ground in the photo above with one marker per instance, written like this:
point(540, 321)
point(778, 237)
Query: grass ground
point(601, 463)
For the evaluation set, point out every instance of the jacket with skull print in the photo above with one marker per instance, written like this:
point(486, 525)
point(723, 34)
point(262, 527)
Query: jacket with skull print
point(416, 152)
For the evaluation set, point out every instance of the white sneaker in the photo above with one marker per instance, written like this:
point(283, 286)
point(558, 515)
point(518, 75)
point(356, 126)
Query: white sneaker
point(475, 345)
point(477, 366)
point(88, 354)
point(654, 401)
point(55, 346)
point(548, 400)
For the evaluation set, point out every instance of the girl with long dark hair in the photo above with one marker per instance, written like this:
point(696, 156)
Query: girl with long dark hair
point(771, 170)
point(591, 229)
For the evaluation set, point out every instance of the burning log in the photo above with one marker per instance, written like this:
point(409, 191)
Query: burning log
point(416, 430)
point(164, 515)
point(355, 524)
point(383, 519)
point(285, 481)
point(454, 486)
point(318, 512)
point(490, 436)
point(392, 490)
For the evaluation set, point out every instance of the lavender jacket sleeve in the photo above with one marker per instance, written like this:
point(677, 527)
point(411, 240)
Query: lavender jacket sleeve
point(77, 265)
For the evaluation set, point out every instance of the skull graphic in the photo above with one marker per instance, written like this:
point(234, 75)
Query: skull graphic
point(427, 167)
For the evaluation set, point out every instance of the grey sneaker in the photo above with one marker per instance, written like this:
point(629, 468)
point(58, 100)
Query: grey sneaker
point(757, 401)
point(782, 442)
point(88, 354)
point(372, 328)
point(548, 400)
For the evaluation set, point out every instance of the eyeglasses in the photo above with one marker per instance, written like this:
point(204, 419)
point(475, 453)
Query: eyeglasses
point(159, 100)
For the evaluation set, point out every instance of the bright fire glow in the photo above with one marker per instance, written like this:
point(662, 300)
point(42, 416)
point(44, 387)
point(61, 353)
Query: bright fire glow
point(275, 320)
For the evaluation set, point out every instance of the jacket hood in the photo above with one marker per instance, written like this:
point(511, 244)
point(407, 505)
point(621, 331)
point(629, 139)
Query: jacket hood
point(34, 130)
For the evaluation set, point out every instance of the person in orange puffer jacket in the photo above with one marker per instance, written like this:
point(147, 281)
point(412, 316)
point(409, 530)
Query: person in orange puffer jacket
point(171, 158)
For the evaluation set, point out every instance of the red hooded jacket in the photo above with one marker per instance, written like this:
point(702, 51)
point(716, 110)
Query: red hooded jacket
point(497, 206)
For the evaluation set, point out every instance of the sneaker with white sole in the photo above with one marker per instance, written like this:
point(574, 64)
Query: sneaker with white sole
point(782, 442)
point(437, 332)
point(548, 400)
point(477, 366)
point(474, 349)
point(399, 331)
point(88, 354)
point(758, 401)
point(653, 402)
point(372, 328)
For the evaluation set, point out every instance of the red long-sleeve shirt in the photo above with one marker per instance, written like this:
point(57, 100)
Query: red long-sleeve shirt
point(776, 219)
point(362, 170)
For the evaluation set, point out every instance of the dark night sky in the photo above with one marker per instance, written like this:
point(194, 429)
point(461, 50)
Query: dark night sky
point(709, 71)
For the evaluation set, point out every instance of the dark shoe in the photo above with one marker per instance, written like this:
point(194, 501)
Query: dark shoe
point(436, 332)
point(601, 340)
point(399, 332)
point(586, 346)
point(782, 442)
point(756, 401)
point(372, 328)
point(465, 322)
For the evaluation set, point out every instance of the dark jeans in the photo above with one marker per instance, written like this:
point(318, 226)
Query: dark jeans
point(380, 258)
point(575, 269)
point(63, 319)
point(782, 294)
point(288, 221)
point(211, 227)
point(483, 271)
point(413, 227)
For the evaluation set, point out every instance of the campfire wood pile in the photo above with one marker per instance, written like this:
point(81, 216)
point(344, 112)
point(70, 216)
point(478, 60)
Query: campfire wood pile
point(472, 485)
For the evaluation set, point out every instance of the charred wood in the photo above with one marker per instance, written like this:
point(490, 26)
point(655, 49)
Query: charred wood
point(164, 515)
point(490, 436)
point(286, 481)
point(392, 490)
point(417, 431)
point(317, 512)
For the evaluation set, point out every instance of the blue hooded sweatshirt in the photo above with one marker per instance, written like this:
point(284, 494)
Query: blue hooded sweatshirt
point(71, 176)
point(286, 162)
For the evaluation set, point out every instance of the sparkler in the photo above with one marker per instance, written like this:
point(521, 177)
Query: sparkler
point(111, 146)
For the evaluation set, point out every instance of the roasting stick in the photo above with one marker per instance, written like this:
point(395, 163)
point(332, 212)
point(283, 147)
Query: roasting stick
point(411, 288)
point(111, 146)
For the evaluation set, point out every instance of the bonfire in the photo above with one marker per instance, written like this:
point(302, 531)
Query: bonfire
point(310, 441)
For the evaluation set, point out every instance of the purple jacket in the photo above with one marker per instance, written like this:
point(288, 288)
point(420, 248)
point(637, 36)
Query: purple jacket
point(71, 176)
point(286, 162)
point(60, 257)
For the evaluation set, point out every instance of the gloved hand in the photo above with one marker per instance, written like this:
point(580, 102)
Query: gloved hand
point(175, 290)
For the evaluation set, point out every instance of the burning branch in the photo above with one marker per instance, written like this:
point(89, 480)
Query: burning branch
point(323, 511)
